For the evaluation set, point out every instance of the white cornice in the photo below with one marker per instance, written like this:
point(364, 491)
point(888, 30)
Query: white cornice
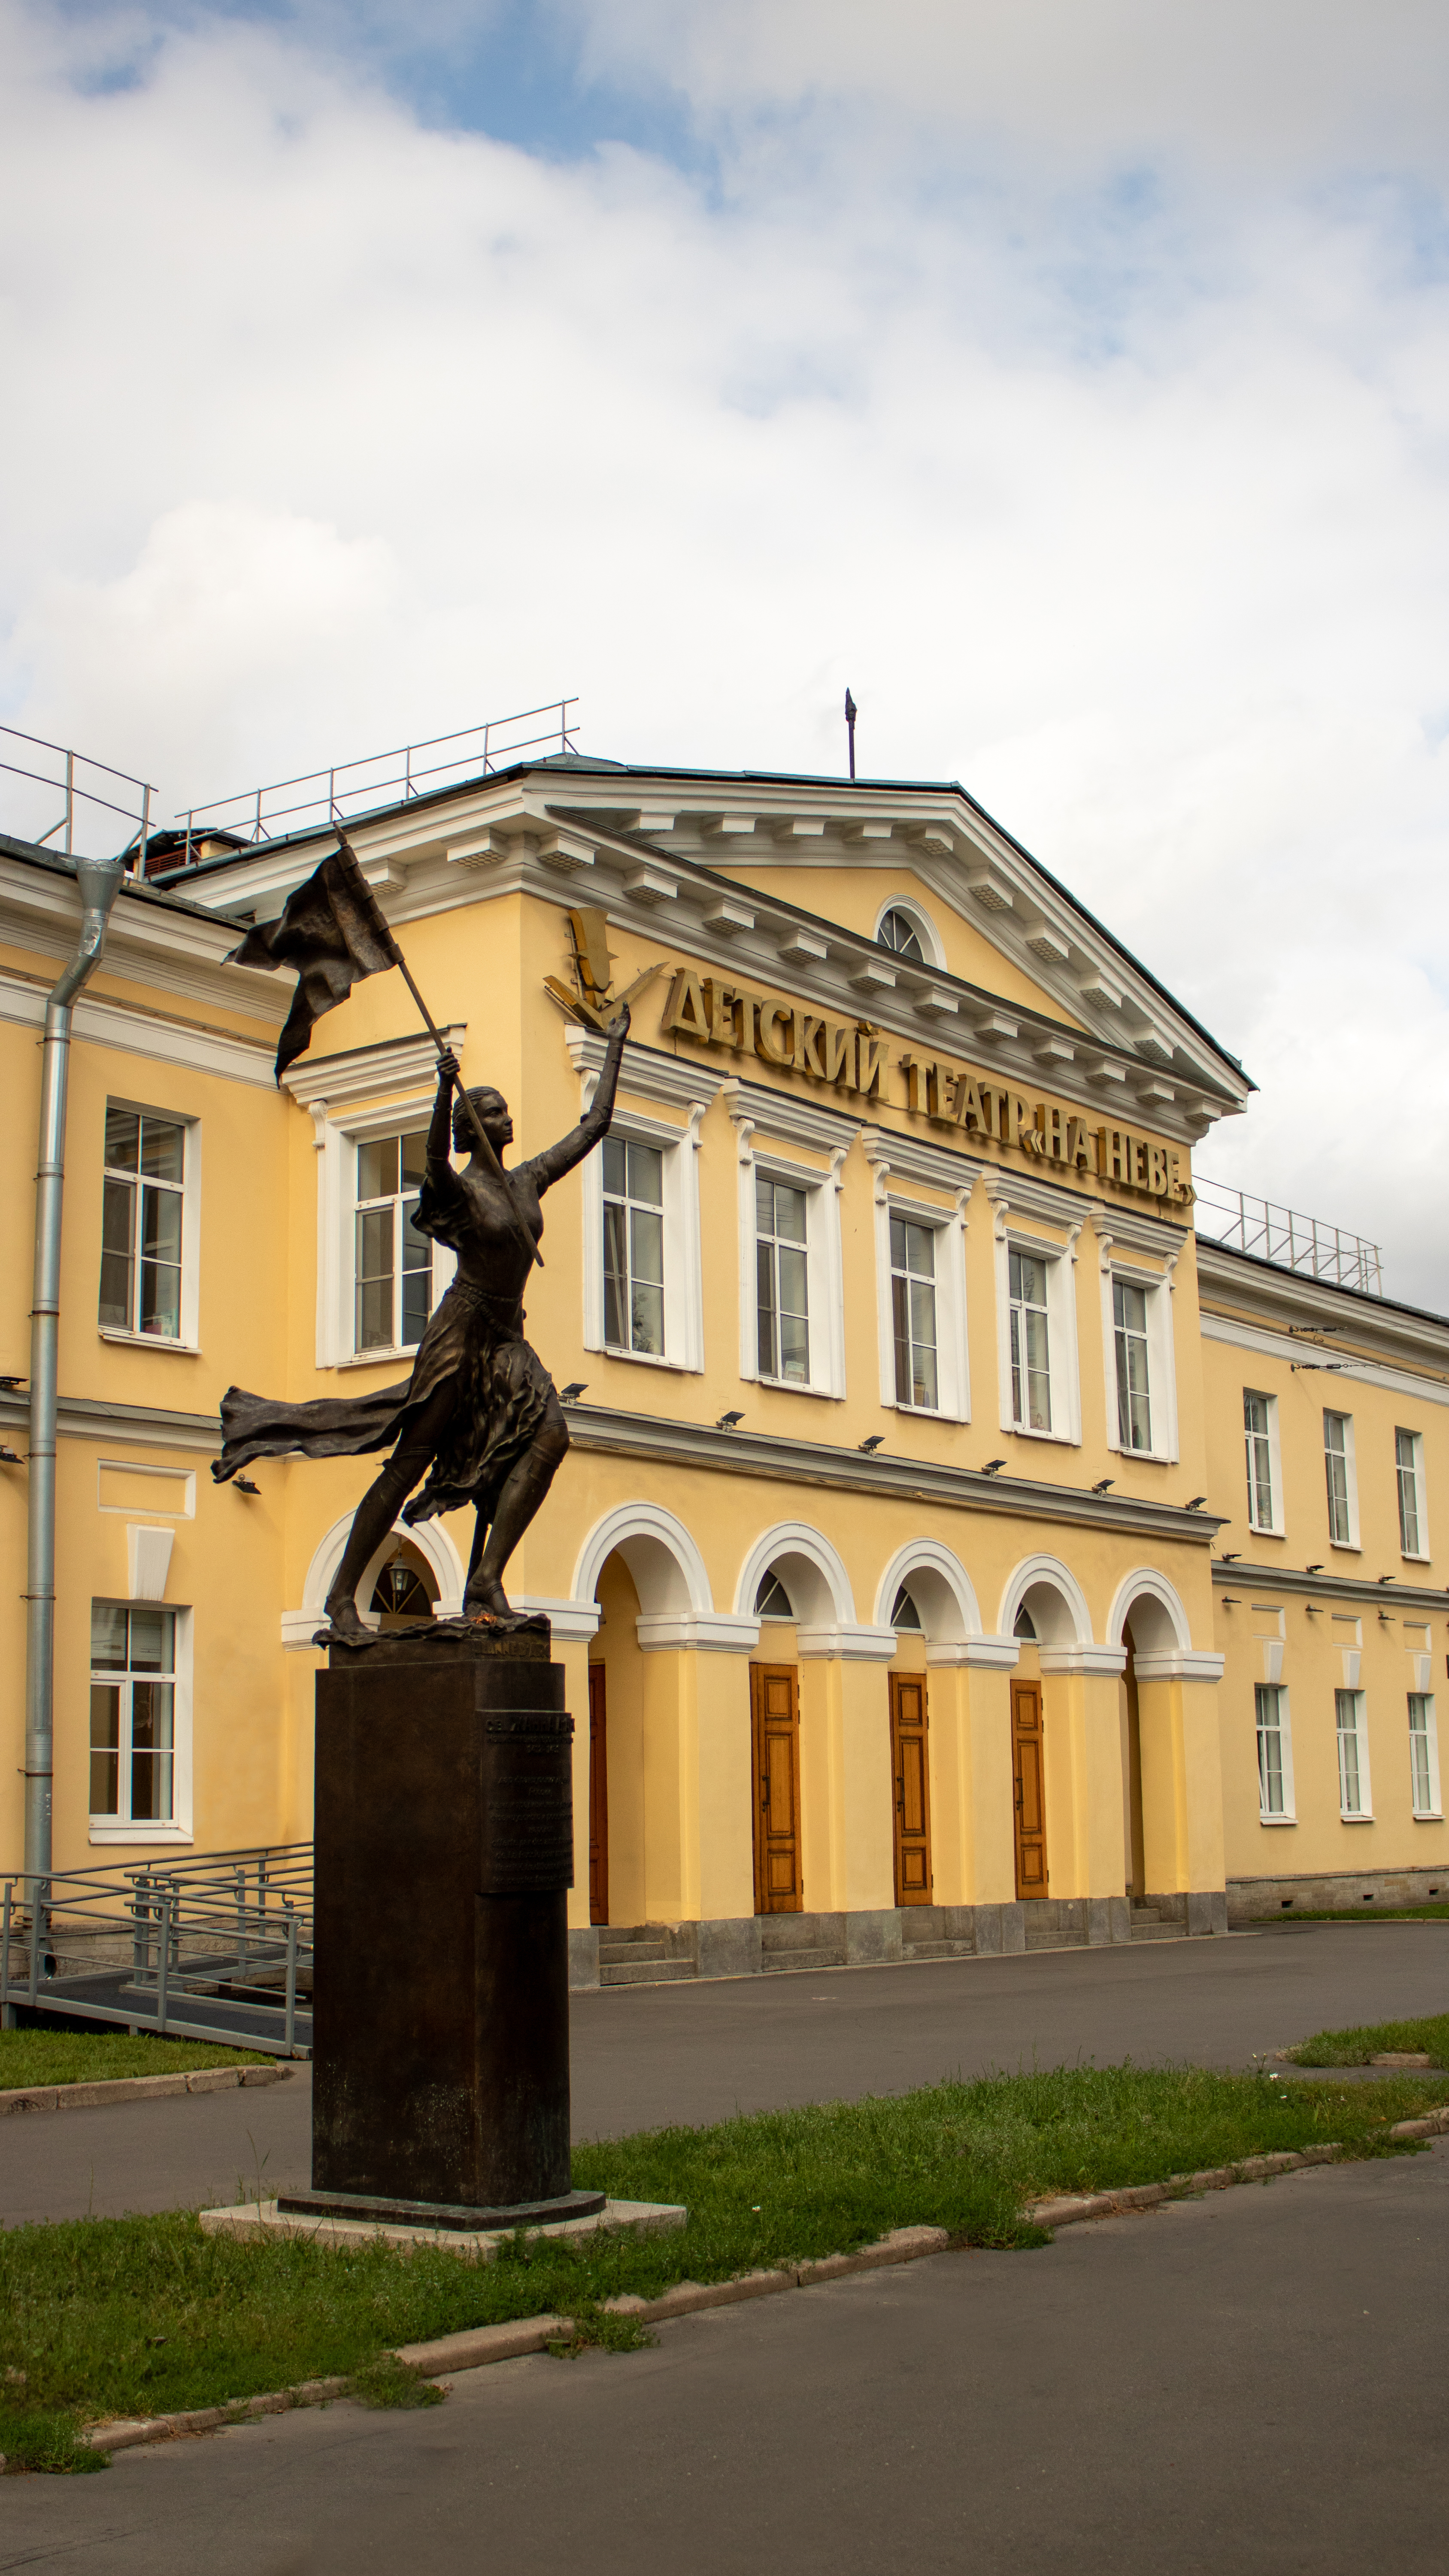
point(370, 1072)
point(1284, 1297)
point(148, 942)
point(913, 1158)
point(521, 835)
point(1267, 1344)
point(1121, 1225)
point(133, 1031)
point(645, 1074)
point(1013, 1193)
point(788, 1118)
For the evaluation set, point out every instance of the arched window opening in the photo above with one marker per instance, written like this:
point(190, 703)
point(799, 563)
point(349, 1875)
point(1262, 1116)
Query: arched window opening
point(897, 931)
point(905, 1614)
point(772, 1601)
point(405, 1589)
point(1025, 1625)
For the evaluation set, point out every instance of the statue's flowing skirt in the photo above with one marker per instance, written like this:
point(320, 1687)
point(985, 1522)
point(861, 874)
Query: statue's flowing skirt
point(500, 1395)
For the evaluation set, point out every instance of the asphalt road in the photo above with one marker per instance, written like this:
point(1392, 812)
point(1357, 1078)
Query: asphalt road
point(643, 2056)
point(1249, 2382)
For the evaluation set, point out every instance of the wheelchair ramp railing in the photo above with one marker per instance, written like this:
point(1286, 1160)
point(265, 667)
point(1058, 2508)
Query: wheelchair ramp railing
point(215, 1947)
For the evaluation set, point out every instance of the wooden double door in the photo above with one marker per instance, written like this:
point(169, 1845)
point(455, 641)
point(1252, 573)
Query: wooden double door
point(910, 1788)
point(775, 1735)
point(1028, 1772)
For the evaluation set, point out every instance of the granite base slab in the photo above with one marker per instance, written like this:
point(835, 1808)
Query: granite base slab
point(262, 2218)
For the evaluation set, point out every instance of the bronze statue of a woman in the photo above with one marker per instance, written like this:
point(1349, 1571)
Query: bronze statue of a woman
point(480, 1408)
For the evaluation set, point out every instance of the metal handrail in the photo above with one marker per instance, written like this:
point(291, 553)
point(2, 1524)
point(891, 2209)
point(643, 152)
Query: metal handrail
point(144, 1943)
point(254, 823)
point(1287, 1238)
point(67, 786)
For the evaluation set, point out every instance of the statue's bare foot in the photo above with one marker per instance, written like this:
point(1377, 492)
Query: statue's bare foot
point(485, 1600)
point(345, 1621)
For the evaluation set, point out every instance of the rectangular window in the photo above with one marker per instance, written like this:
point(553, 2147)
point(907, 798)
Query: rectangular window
point(1274, 1797)
point(393, 1263)
point(1423, 1753)
point(133, 1712)
point(1031, 1392)
point(1335, 1465)
point(1407, 1446)
point(633, 1247)
point(1256, 1434)
point(913, 1313)
point(781, 1281)
point(1353, 1773)
point(1129, 1320)
point(141, 1223)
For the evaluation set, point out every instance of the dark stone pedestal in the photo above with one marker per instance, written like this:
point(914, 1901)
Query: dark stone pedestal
point(444, 1852)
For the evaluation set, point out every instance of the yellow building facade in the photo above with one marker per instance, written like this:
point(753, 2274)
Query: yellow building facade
point(929, 1560)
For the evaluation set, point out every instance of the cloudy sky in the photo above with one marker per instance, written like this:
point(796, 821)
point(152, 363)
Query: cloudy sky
point(1068, 376)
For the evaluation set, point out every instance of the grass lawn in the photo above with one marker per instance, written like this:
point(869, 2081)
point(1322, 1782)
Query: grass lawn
point(103, 2317)
point(94, 2057)
point(1356, 2047)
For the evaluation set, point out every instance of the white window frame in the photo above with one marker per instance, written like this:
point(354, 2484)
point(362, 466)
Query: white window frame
point(683, 1265)
point(1275, 1527)
point(125, 1829)
point(932, 951)
point(365, 1128)
point(1156, 1287)
point(1413, 1555)
point(190, 1317)
point(1288, 1813)
point(1350, 1473)
point(1433, 1813)
point(1363, 1813)
point(824, 1270)
point(1058, 1260)
point(440, 1270)
point(953, 1372)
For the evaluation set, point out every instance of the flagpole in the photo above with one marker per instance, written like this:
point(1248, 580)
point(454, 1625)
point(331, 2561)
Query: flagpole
point(490, 1159)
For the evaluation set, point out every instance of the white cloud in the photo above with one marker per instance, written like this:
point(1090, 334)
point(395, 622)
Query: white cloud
point(1130, 510)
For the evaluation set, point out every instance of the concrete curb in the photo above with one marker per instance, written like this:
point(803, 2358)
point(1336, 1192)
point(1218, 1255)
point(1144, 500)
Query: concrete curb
point(479, 2345)
point(135, 2088)
point(475, 2348)
point(1070, 2210)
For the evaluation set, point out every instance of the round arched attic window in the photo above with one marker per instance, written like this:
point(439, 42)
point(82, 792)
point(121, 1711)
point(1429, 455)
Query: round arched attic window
point(898, 932)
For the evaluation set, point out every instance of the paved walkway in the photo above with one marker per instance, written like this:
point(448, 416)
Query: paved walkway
point(1249, 2382)
point(643, 2056)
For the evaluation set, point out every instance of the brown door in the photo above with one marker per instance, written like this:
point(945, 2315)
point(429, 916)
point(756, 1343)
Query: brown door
point(775, 1716)
point(598, 1799)
point(911, 1788)
point(1030, 1789)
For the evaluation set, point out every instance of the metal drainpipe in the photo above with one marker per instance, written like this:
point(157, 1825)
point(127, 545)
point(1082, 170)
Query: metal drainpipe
point(98, 881)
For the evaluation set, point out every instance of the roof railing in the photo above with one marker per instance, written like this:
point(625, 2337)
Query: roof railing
point(1291, 1241)
point(67, 781)
point(252, 815)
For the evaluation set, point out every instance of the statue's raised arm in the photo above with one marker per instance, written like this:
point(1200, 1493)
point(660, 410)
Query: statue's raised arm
point(551, 1166)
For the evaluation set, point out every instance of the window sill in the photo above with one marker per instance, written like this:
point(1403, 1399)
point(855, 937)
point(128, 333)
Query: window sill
point(105, 1829)
point(796, 1386)
point(1277, 1820)
point(1023, 1431)
point(378, 1359)
point(1414, 1560)
point(1428, 1815)
point(1354, 1820)
point(1260, 1529)
point(149, 1341)
point(647, 1359)
point(918, 1412)
point(1345, 1547)
point(1141, 1457)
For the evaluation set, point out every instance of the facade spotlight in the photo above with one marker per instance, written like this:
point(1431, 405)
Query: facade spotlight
point(244, 1485)
point(1196, 1504)
point(1103, 1484)
point(993, 1466)
point(571, 1394)
point(727, 1421)
point(9, 1457)
point(1232, 1556)
point(873, 1443)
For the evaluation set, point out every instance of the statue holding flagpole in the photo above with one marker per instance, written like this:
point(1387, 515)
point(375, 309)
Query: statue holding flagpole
point(479, 1418)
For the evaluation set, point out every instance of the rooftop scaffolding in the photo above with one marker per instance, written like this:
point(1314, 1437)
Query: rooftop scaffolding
point(1281, 1235)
